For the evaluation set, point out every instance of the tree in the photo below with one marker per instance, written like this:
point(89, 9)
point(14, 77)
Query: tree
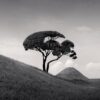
point(46, 43)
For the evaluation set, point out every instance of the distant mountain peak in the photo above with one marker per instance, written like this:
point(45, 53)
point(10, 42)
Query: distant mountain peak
point(71, 73)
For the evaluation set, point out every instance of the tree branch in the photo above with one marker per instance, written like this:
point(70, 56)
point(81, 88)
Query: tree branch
point(41, 51)
point(52, 61)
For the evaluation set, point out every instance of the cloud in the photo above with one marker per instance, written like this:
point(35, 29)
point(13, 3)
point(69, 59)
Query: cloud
point(94, 67)
point(69, 63)
point(59, 66)
point(83, 28)
point(93, 70)
point(56, 68)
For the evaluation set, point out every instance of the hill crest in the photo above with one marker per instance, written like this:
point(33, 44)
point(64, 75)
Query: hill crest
point(71, 73)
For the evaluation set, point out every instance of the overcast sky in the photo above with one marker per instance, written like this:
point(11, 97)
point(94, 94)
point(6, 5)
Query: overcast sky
point(78, 20)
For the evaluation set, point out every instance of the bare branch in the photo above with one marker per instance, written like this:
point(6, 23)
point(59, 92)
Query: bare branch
point(41, 51)
point(55, 59)
point(52, 61)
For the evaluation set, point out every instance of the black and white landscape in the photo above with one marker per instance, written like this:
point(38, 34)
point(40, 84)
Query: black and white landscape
point(49, 49)
point(19, 81)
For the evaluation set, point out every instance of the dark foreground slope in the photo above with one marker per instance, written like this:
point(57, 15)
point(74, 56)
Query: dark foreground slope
point(19, 81)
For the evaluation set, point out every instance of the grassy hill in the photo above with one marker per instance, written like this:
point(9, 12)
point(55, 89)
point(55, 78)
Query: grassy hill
point(73, 75)
point(19, 81)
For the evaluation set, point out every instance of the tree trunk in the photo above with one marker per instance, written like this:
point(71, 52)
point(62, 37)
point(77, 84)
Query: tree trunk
point(48, 67)
point(44, 61)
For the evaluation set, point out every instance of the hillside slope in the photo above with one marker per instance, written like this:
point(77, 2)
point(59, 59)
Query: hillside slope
point(19, 81)
point(72, 74)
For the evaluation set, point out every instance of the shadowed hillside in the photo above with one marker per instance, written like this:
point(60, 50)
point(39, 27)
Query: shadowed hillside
point(19, 81)
point(73, 75)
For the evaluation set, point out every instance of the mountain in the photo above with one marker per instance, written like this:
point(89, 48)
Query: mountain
point(19, 81)
point(71, 73)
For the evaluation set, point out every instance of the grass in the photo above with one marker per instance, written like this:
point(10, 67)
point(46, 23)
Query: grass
point(19, 81)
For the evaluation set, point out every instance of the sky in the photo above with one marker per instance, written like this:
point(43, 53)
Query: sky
point(78, 20)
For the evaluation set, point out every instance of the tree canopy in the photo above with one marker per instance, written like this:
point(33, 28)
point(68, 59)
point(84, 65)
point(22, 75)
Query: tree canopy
point(46, 43)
